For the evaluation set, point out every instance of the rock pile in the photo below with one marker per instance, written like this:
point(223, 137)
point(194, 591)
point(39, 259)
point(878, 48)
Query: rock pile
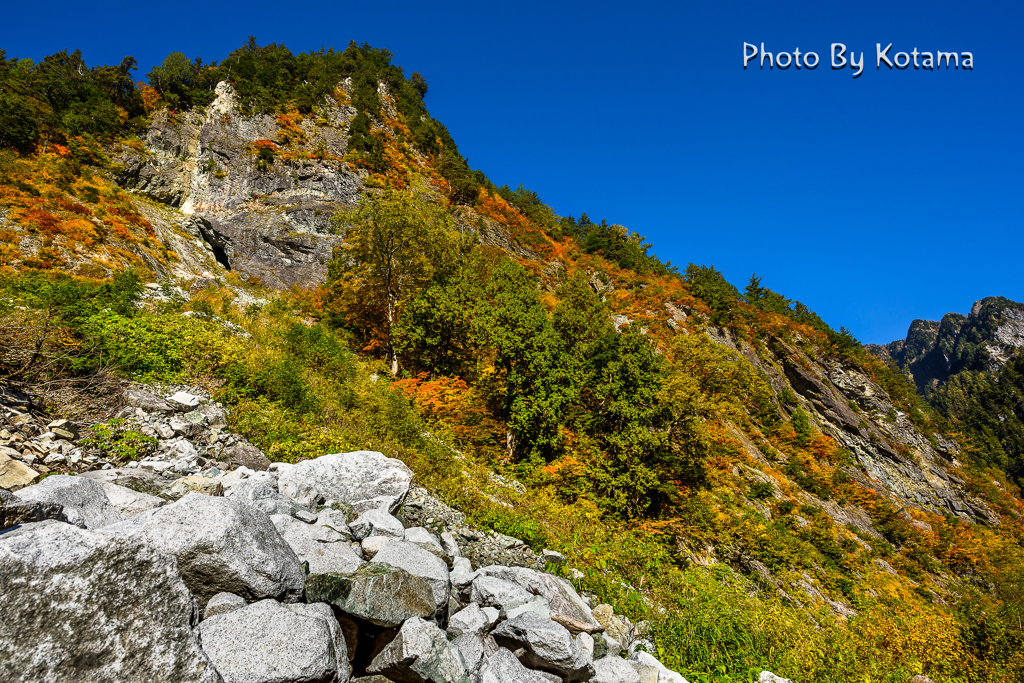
point(285, 573)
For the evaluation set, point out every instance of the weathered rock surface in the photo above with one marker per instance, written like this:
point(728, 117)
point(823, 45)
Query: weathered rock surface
point(377, 593)
point(222, 545)
point(567, 607)
point(82, 606)
point(271, 642)
point(418, 562)
point(376, 522)
point(84, 501)
point(245, 455)
point(504, 667)
point(549, 646)
point(222, 603)
point(364, 479)
point(614, 670)
point(15, 475)
point(260, 491)
point(129, 502)
point(420, 653)
point(15, 511)
point(325, 549)
point(471, 619)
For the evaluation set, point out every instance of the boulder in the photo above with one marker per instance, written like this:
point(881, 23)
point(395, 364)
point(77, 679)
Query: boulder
point(335, 519)
point(420, 653)
point(129, 502)
point(64, 429)
point(552, 557)
point(215, 416)
point(371, 545)
point(536, 603)
point(450, 545)
point(585, 642)
point(15, 511)
point(80, 606)
point(182, 400)
point(567, 607)
point(491, 591)
point(14, 474)
point(84, 501)
point(417, 535)
point(665, 675)
point(363, 479)
point(325, 549)
point(614, 625)
point(474, 648)
point(221, 544)
point(271, 642)
point(245, 455)
point(376, 522)
point(418, 562)
point(548, 645)
point(614, 670)
point(505, 667)
point(196, 483)
point(260, 491)
point(377, 593)
point(769, 677)
point(222, 603)
point(151, 403)
point(471, 619)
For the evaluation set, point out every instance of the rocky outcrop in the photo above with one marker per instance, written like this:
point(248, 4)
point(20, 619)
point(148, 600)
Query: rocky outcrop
point(260, 190)
point(984, 340)
point(82, 606)
point(221, 544)
point(264, 618)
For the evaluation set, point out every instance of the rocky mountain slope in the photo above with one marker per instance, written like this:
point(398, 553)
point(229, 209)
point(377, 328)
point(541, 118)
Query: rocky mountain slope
point(983, 340)
point(287, 573)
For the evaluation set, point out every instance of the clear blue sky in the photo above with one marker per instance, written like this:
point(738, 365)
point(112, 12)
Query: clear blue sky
point(894, 196)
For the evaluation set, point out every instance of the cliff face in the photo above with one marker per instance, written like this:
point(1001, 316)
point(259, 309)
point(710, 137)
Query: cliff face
point(261, 189)
point(891, 455)
point(982, 341)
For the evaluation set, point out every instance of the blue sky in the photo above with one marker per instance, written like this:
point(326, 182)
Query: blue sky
point(876, 200)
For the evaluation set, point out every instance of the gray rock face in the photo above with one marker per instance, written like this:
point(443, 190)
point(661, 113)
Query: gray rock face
point(418, 562)
point(376, 522)
point(363, 479)
point(79, 606)
point(14, 510)
point(84, 501)
point(326, 550)
point(491, 591)
point(270, 642)
point(614, 670)
point(266, 220)
point(222, 545)
point(474, 648)
point(222, 603)
point(245, 455)
point(261, 493)
point(471, 619)
point(128, 502)
point(418, 535)
point(371, 545)
point(151, 403)
point(548, 645)
point(567, 607)
point(378, 593)
point(504, 667)
point(418, 654)
point(641, 659)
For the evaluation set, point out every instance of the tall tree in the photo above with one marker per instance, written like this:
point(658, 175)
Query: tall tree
point(392, 244)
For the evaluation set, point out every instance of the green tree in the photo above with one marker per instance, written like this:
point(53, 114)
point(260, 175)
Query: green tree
point(531, 385)
point(392, 244)
point(711, 287)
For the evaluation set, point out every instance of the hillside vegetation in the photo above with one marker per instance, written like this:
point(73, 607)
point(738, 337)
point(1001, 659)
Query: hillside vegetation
point(724, 465)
